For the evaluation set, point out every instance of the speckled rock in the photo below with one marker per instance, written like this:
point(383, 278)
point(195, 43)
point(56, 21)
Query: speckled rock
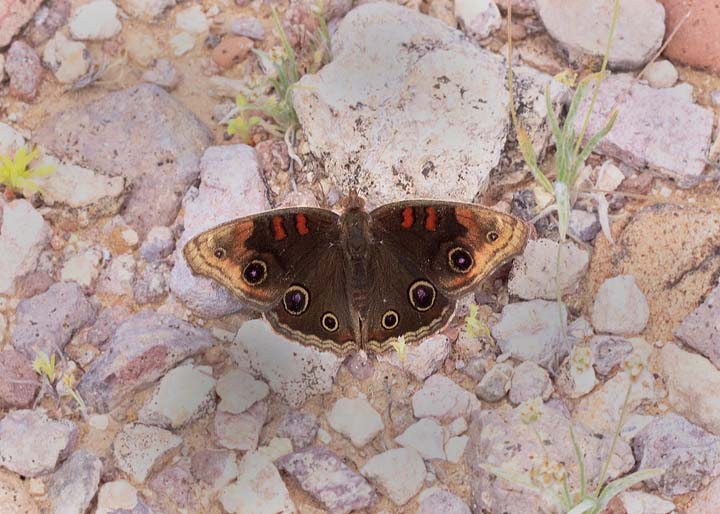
point(293, 371)
point(222, 197)
point(532, 331)
point(426, 437)
point(258, 489)
point(478, 18)
point(15, 368)
point(582, 28)
point(139, 449)
point(107, 322)
point(142, 349)
point(72, 487)
point(183, 395)
point(496, 383)
point(217, 468)
point(163, 74)
point(14, 496)
point(118, 277)
point(439, 501)
point(608, 352)
point(23, 67)
point(356, 419)
point(655, 128)
point(300, 427)
point(690, 44)
point(689, 455)
point(46, 322)
point(140, 133)
point(324, 476)
point(151, 286)
point(240, 431)
point(23, 236)
point(32, 444)
point(442, 398)
point(158, 244)
point(175, 485)
point(701, 329)
point(529, 381)
point(620, 307)
point(398, 473)
point(16, 13)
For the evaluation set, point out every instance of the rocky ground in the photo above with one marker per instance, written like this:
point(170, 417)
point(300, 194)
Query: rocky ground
point(165, 395)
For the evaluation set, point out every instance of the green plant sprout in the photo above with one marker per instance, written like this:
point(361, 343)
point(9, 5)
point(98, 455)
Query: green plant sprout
point(16, 175)
point(474, 326)
point(549, 479)
point(44, 365)
point(59, 384)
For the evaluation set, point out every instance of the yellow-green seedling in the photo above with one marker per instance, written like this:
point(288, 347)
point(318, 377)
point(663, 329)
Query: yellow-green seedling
point(16, 174)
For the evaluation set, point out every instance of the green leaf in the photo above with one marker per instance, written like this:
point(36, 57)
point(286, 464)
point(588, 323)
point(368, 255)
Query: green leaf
point(582, 507)
point(615, 487)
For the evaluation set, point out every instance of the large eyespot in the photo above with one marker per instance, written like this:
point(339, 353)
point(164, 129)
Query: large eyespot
point(255, 272)
point(390, 320)
point(492, 236)
point(296, 300)
point(460, 260)
point(220, 252)
point(329, 322)
point(422, 295)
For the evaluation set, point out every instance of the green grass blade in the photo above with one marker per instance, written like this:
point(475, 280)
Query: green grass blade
point(582, 507)
point(615, 487)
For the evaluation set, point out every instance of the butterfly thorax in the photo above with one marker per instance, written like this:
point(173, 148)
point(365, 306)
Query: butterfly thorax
point(357, 241)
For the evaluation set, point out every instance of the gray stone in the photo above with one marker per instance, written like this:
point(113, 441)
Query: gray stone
point(118, 278)
point(18, 381)
point(661, 74)
point(584, 225)
point(582, 28)
point(163, 74)
point(398, 473)
point(152, 285)
point(32, 444)
point(217, 468)
point(73, 486)
point(240, 431)
point(608, 352)
point(174, 483)
point(300, 427)
point(46, 322)
point(701, 329)
point(142, 350)
point(247, 26)
point(106, 324)
point(533, 331)
point(158, 244)
point(689, 455)
point(142, 134)
point(222, 197)
point(496, 383)
point(442, 398)
point(529, 381)
point(654, 127)
point(259, 489)
point(23, 66)
point(138, 449)
point(438, 501)
point(324, 476)
point(620, 307)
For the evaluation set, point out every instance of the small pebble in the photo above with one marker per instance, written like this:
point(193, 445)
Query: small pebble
point(163, 74)
point(182, 43)
point(661, 74)
point(231, 50)
point(25, 71)
point(95, 20)
point(247, 26)
point(192, 20)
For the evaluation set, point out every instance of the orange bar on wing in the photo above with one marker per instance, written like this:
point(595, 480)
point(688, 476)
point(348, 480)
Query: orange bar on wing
point(430, 219)
point(408, 217)
point(301, 224)
point(278, 229)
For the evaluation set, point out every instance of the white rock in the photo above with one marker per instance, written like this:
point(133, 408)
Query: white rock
point(137, 449)
point(639, 502)
point(10, 139)
point(95, 20)
point(478, 18)
point(82, 268)
point(529, 381)
point(238, 391)
point(661, 73)
point(440, 501)
point(355, 419)
point(130, 237)
point(693, 385)
point(582, 27)
point(68, 60)
point(116, 496)
point(158, 244)
point(23, 236)
point(458, 427)
point(222, 197)
point(442, 398)
point(99, 421)
point(534, 273)
point(149, 10)
point(258, 489)
point(240, 431)
point(192, 20)
point(184, 394)
point(425, 437)
point(182, 43)
point(117, 279)
point(277, 447)
point(424, 359)
point(684, 92)
point(532, 331)
point(77, 187)
point(142, 48)
point(620, 307)
point(293, 371)
point(609, 177)
point(455, 448)
point(399, 473)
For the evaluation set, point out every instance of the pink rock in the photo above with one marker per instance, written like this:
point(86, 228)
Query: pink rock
point(13, 15)
point(696, 42)
point(25, 71)
point(217, 468)
point(241, 431)
point(655, 128)
point(18, 381)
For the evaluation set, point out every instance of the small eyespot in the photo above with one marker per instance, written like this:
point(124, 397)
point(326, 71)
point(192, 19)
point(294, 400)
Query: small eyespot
point(492, 237)
point(255, 272)
point(296, 300)
point(219, 253)
point(330, 322)
point(390, 320)
point(422, 295)
point(460, 260)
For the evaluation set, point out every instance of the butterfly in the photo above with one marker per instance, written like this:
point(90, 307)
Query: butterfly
point(358, 280)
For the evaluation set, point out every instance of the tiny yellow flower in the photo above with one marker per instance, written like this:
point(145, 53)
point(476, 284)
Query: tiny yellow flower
point(634, 366)
point(474, 326)
point(44, 365)
point(566, 78)
point(547, 472)
point(531, 410)
point(580, 358)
